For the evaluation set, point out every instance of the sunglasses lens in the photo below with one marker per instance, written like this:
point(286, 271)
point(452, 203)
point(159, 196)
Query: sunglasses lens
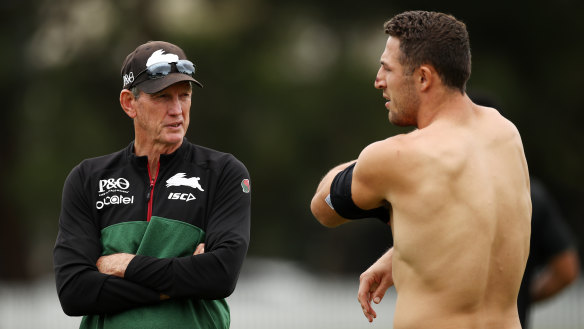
point(185, 66)
point(158, 70)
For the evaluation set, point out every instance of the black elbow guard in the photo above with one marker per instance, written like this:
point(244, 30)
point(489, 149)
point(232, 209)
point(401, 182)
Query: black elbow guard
point(341, 199)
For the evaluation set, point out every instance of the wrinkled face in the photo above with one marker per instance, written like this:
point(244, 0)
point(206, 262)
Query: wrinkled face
point(163, 117)
point(398, 86)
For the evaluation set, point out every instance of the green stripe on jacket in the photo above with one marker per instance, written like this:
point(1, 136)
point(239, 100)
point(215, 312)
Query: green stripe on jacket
point(152, 239)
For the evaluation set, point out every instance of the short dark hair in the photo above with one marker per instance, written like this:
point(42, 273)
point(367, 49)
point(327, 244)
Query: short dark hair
point(433, 38)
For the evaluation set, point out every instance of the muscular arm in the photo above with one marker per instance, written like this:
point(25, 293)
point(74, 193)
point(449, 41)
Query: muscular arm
point(359, 189)
point(320, 209)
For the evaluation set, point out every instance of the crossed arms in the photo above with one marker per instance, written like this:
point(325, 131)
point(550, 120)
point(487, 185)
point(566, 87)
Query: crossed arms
point(88, 283)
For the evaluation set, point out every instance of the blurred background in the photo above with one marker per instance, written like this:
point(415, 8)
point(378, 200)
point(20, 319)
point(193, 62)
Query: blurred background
point(289, 91)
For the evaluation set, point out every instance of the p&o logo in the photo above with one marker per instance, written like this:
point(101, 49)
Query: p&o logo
point(112, 190)
point(113, 185)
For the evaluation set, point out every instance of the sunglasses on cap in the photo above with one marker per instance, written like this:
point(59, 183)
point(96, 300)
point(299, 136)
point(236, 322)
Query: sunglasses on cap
point(162, 69)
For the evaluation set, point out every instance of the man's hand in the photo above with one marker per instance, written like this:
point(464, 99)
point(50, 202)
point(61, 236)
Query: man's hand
point(200, 249)
point(373, 284)
point(114, 264)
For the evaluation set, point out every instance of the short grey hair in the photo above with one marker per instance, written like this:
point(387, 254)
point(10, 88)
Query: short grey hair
point(136, 92)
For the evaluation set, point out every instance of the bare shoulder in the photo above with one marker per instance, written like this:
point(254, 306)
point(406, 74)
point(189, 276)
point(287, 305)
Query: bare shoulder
point(398, 152)
point(497, 129)
point(388, 150)
point(494, 118)
point(378, 170)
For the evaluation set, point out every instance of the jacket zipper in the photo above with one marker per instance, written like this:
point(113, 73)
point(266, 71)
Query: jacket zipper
point(150, 194)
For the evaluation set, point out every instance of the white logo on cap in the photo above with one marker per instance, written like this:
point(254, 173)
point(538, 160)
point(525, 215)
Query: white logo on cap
point(160, 57)
point(128, 78)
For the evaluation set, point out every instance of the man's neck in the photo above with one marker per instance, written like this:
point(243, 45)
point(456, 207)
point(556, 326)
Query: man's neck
point(153, 152)
point(448, 104)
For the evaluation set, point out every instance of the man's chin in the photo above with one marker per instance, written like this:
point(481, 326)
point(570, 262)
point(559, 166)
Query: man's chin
point(399, 122)
point(175, 138)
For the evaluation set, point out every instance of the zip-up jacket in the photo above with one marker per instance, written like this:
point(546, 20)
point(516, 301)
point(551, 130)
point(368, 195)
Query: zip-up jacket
point(110, 204)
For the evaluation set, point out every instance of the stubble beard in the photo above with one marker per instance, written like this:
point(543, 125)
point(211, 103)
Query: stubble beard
point(405, 107)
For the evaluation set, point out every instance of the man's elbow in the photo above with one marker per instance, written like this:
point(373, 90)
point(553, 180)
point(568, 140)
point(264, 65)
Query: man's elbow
point(572, 267)
point(71, 310)
point(71, 305)
point(218, 283)
point(224, 286)
point(327, 221)
point(229, 289)
point(326, 216)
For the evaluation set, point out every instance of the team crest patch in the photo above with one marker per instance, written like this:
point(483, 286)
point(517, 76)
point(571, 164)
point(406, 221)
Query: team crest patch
point(180, 179)
point(245, 186)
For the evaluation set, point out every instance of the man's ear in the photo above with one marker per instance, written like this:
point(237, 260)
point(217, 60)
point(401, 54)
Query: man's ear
point(127, 101)
point(426, 77)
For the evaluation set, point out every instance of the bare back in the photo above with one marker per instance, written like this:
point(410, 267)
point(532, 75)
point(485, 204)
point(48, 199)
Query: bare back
point(461, 220)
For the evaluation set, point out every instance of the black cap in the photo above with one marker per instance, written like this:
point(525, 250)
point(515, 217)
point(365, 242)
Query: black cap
point(147, 54)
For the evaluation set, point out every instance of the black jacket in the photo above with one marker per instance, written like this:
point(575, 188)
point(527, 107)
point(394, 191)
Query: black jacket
point(196, 185)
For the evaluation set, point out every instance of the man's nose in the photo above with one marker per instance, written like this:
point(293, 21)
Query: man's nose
point(379, 81)
point(175, 107)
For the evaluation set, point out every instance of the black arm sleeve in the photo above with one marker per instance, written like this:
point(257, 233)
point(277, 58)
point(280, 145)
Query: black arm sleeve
point(82, 289)
point(212, 275)
point(342, 200)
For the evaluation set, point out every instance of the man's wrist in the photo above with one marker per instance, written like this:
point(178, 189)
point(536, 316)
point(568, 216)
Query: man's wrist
point(115, 264)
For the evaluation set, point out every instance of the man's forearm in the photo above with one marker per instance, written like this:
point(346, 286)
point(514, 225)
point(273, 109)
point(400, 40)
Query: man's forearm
point(559, 273)
point(91, 292)
point(115, 264)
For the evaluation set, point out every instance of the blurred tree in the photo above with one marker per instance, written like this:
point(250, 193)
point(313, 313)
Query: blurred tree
point(288, 90)
point(14, 240)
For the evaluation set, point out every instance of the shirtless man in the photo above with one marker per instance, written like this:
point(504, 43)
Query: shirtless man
point(456, 189)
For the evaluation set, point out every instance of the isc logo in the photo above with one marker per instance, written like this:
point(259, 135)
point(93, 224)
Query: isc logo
point(181, 196)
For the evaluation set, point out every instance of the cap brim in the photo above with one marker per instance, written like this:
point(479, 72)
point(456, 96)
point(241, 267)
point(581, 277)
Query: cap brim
point(155, 85)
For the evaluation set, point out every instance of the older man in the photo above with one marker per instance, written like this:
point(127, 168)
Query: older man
point(154, 235)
